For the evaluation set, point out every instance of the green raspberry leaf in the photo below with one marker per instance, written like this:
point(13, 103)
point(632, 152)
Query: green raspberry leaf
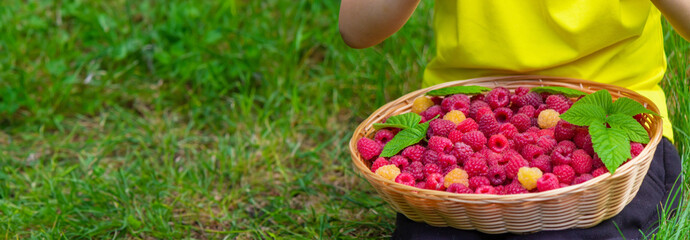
point(470, 90)
point(583, 114)
point(611, 144)
point(404, 139)
point(402, 121)
point(568, 92)
point(629, 107)
point(630, 126)
point(601, 98)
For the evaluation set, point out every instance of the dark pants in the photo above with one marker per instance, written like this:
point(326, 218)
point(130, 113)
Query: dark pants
point(641, 214)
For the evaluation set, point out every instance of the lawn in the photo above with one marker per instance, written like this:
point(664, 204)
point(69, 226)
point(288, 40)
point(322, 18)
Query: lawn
point(207, 119)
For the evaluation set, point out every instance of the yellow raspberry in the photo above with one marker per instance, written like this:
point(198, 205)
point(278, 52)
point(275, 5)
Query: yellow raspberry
point(389, 172)
point(548, 118)
point(421, 103)
point(456, 176)
point(528, 177)
point(455, 116)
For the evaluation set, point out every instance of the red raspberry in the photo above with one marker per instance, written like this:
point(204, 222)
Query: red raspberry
point(380, 162)
point(548, 181)
point(434, 182)
point(582, 162)
point(478, 97)
point(547, 143)
point(558, 102)
point(483, 111)
point(405, 179)
point(562, 155)
point(500, 189)
point(515, 188)
point(564, 130)
point(383, 136)
point(542, 162)
point(416, 169)
point(497, 175)
point(475, 106)
point(455, 136)
point(462, 152)
point(508, 129)
point(639, 118)
point(440, 127)
point(596, 162)
point(474, 139)
point(513, 166)
point(534, 130)
point(486, 190)
point(488, 125)
point(531, 98)
point(368, 148)
point(599, 171)
point(546, 132)
point(582, 178)
point(527, 110)
point(635, 149)
point(440, 144)
point(431, 168)
point(523, 139)
point(562, 185)
point(479, 181)
point(400, 162)
point(503, 114)
point(431, 112)
point(565, 173)
point(531, 152)
point(446, 160)
point(521, 121)
point(437, 100)
point(413, 152)
point(568, 144)
point(429, 156)
point(420, 184)
point(498, 97)
point(458, 188)
point(456, 102)
point(583, 140)
point(520, 91)
point(468, 125)
point(498, 143)
point(475, 166)
point(540, 108)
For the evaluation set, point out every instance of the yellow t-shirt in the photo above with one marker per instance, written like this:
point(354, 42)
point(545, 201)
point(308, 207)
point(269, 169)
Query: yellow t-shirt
point(617, 42)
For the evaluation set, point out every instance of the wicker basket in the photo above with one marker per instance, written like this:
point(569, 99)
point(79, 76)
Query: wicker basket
point(578, 206)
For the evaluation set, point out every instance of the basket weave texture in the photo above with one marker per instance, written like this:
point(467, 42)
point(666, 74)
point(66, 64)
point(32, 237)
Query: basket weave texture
point(579, 206)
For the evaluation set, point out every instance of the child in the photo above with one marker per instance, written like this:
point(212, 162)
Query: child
point(610, 41)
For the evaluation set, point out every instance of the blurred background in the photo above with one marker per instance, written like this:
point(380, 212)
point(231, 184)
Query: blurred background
point(208, 119)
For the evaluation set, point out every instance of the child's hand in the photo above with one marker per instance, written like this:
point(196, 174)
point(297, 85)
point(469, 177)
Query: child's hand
point(365, 23)
point(677, 12)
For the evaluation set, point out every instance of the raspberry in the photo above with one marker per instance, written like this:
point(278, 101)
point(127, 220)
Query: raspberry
point(405, 179)
point(528, 177)
point(456, 176)
point(531, 152)
point(431, 168)
point(503, 114)
point(599, 171)
point(458, 188)
point(562, 155)
point(455, 116)
point(539, 109)
point(527, 110)
point(456, 102)
point(475, 106)
point(413, 152)
point(547, 143)
point(515, 188)
point(486, 190)
point(558, 102)
point(635, 149)
point(548, 181)
point(498, 97)
point(500, 190)
point(437, 100)
point(440, 144)
point(567, 144)
point(564, 131)
point(498, 143)
point(447, 160)
point(582, 178)
point(421, 184)
point(531, 98)
point(431, 112)
point(483, 111)
point(520, 91)
point(521, 121)
point(548, 118)
point(488, 125)
point(474, 139)
point(478, 181)
point(429, 156)
point(462, 152)
point(368, 148)
point(434, 182)
point(380, 162)
point(596, 162)
point(565, 173)
point(468, 125)
point(542, 162)
point(546, 132)
point(534, 130)
point(582, 162)
point(475, 166)
point(455, 136)
point(523, 139)
point(421, 103)
point(478, 97)
point(400, 162)
point(508, 129)
point(383, 136)
point(513, 166)
point(389, 172)
point(416, 169)
point(496, 175)
point(583, 140)
point(440, 127)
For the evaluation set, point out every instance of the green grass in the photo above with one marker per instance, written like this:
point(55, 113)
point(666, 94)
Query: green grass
point(205, 119)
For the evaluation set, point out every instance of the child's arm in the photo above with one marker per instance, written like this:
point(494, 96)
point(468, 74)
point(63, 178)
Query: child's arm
point(365, 23)
point(677, 12)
